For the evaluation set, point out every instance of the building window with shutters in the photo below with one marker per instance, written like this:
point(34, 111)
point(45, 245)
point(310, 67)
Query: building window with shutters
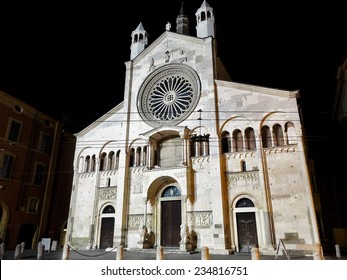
point(39, 174)
point(14, 131)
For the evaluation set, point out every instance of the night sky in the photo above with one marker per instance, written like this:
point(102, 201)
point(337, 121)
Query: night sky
point(67, 60)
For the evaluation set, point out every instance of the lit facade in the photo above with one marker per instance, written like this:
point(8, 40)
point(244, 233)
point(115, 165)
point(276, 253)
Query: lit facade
point(191, 158)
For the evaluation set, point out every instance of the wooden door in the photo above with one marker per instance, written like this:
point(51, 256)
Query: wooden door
point(247, 231)
point(170, 223)
point(106, 235)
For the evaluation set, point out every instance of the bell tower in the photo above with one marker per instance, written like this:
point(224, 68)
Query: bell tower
point(182, 23)
point(205, 19)
point(139, 41)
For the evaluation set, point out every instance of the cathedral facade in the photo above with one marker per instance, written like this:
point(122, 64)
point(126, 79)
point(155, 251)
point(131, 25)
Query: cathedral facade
point(189, 158)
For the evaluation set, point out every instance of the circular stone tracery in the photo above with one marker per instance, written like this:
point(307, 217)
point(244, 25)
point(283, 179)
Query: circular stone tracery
point(169, 95)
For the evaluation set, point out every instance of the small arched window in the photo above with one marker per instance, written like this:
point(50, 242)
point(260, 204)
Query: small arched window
point(117, 160)
point(138, 156)
point(266, 136)
point(131, 161)
point(171, 191)
point(87, 164)
point(102, 162)
point(93, 163)
point(278, 135)
point(244, 202)
point(238, 140)
point(226, 142)
point(108, 209)
point(243, 166)
point(290, 133)
point(250, 139)
point(108, 182)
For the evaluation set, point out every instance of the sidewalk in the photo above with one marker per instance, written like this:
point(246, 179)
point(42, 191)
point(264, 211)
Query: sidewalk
point(148, 255)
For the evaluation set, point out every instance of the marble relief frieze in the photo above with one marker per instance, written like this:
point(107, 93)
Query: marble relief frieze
point(200, 218)
point(247, 178)
point(136, 220)
point(107, 193)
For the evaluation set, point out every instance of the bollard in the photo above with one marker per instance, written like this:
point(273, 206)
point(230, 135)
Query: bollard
point(255, 253)
point(2, 251)
point(338, 252)
point(17, 252)
point(205, 254)
point(160, 254)
point(120, 253)
point(317, 252)
point(66, 252)
point(22, 249)
point(40, 251)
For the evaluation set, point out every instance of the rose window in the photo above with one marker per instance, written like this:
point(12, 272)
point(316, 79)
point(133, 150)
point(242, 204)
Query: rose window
point(169, 95)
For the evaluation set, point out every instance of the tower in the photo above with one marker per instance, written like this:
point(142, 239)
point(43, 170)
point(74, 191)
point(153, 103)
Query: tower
point(205, 25)
point(182, 23)
point(139, 41)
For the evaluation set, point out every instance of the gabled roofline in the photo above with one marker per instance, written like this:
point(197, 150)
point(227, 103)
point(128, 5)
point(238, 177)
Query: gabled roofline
point(164, 36)
point(259, 89)
point(103, 118)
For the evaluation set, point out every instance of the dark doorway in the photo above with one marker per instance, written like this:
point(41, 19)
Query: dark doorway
point(106, 235)
point(247, 231)
point(26, 234)
point(170, 223)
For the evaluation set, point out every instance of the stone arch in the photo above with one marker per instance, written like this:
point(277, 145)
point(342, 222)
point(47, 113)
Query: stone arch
point(167, 230)
point(107, 214)
point(246, 223)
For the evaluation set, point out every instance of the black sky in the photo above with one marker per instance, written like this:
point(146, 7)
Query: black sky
point(68, 59)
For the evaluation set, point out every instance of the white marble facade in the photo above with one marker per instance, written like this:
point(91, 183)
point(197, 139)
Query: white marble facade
point(190, 158)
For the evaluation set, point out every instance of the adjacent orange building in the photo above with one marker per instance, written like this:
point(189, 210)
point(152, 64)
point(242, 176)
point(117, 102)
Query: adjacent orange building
point(36, 156)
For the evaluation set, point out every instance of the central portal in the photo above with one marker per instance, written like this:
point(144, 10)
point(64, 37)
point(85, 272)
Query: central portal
point(170, 223)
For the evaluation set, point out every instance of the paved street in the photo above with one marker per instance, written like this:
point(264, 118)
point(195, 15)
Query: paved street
point(149, 254)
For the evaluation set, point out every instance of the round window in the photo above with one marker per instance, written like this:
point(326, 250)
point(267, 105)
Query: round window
point(169, 95)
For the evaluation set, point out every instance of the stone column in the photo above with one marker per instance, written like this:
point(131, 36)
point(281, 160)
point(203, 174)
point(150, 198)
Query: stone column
point(205, 150)
point(149, 155)
point(188, 152)
point(143, 156)
point(184, 156)
point(197, 148)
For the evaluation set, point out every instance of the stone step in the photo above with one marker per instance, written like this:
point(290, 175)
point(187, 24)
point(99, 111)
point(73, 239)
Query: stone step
point(171, 250)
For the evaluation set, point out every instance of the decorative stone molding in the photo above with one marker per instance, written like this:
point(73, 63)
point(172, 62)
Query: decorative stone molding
point(200, 219)
point(247, 178)
point(281, 149)
point(200, 159)
point(108, 193)
point(240, 155)
point(87, 174)
point(136, 221)
point(107, 173)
